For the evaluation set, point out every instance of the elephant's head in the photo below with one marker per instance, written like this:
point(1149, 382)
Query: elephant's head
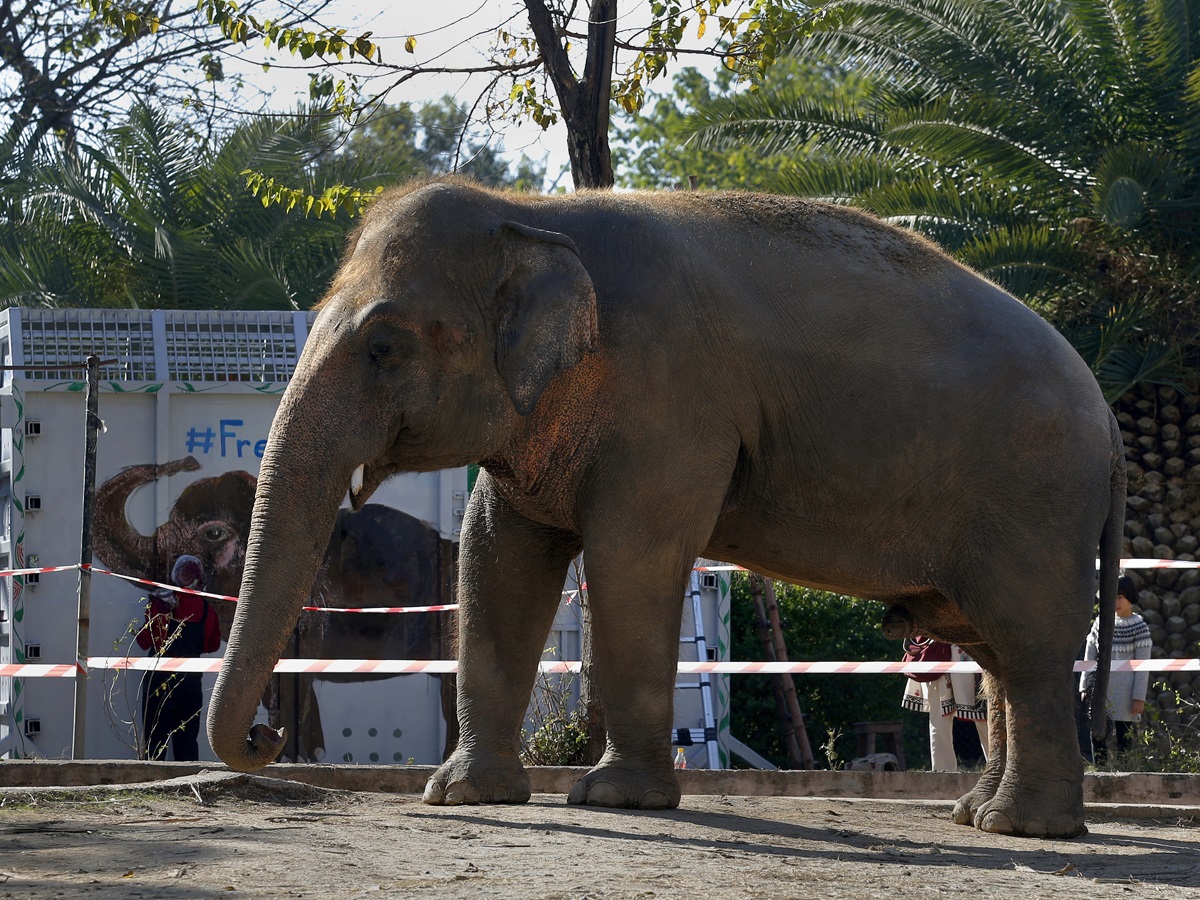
point(446, 322)
point(209, 521)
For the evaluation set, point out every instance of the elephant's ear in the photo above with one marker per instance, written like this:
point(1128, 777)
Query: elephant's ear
point(547, 311)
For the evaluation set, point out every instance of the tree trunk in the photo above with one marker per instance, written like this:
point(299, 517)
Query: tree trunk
point(1161, 431)
point(584, 101)
point(589, 688)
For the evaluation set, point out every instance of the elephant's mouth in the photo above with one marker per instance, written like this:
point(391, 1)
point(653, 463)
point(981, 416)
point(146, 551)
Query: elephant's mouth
point(365, 480)
point(360, 488)
point(368, 476)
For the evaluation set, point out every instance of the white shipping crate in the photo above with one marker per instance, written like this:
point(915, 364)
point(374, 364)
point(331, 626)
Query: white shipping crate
point(193, 393)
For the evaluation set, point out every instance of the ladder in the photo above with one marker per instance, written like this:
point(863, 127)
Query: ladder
point(708, 733)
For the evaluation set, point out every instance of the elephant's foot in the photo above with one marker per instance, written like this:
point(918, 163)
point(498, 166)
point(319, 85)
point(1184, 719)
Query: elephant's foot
point(1054, 814)
point(466, 780)
point(626, 789)
point(970, 803)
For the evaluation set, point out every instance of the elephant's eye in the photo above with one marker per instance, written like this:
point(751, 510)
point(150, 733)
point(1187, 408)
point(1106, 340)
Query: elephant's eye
point(388, 346)
point(215, 533)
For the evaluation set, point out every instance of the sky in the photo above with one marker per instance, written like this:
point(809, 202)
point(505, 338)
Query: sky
point(449, 34)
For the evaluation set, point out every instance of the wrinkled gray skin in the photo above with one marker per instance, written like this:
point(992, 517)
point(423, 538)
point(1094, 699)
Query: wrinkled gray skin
point(651, 378)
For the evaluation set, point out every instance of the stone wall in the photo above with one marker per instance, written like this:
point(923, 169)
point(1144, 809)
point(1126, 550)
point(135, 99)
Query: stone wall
point(1161, 429)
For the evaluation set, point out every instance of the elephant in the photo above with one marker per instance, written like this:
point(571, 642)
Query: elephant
point(649, 378)
point(376, 556)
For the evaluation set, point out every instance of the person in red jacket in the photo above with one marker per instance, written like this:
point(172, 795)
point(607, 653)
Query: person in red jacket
point(178, 623)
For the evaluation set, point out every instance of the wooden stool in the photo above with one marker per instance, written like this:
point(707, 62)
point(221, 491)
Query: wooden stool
point(891, 732)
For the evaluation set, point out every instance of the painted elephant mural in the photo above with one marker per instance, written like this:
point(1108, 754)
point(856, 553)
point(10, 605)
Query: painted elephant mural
point(651, 378)
point(209, 520)
point(376, 556)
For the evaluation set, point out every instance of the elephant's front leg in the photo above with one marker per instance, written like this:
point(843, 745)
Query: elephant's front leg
point(636, 614)
point(511, 577)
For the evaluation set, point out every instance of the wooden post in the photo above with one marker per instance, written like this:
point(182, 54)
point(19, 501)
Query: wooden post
point(795, 758)
point(789, 685)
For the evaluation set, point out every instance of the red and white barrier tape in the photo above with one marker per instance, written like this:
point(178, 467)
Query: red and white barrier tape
point(1159, 564)
point(569, 596)
point(38, 571)
point(171, 587)
point(443, 666)
point(34, 670)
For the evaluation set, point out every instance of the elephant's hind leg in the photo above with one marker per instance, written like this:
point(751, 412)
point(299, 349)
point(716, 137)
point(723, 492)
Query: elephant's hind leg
point(1041, 791)
point(997, 755)
point(1032, 645)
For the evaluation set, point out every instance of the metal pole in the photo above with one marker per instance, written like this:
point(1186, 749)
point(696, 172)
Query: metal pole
point(92, 427)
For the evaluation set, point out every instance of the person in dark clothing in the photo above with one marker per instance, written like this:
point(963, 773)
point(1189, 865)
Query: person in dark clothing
point(1083, 719)
point(178, 623)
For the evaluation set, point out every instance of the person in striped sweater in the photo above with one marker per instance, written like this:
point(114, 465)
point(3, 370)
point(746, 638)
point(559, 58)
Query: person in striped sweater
point(1126, 690)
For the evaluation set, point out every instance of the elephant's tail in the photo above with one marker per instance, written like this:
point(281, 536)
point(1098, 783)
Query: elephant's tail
point(1110, 570)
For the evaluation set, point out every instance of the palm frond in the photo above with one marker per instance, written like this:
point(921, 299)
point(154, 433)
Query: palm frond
point(1025, 260)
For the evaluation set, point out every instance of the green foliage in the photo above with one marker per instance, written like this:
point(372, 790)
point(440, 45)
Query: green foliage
point(749, 38)
point(557, 732)
point(330, 200)
point(561, 742)
point(154, 219)
point(435, 138)
point(657, 148)
point(818, 626)
point(151, 217)
point(132, 23)
point(328, 44)
point(651, 150)
point(242, 28)
point(1167, 740)
point(1055, 149)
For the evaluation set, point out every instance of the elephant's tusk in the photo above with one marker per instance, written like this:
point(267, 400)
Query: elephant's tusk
point(356, 481)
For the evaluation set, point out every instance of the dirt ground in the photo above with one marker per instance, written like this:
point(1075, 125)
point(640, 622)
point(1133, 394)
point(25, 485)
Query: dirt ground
point(230, 835)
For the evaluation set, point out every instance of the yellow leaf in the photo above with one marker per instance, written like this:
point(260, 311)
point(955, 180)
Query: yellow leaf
point(410, 44)
point(700, 30)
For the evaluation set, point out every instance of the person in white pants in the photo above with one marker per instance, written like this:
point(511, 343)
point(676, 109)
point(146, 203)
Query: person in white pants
point(945, 698)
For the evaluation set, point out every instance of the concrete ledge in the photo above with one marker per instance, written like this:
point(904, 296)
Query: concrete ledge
point(1178, 792)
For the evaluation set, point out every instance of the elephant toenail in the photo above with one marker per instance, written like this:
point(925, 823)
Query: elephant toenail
point(997, 823)
point(1035, 828)
point(462, 792)
point(604, 793)
point(655, 800)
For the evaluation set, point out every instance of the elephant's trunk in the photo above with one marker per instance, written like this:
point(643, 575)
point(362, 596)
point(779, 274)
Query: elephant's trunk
point(299, 490)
